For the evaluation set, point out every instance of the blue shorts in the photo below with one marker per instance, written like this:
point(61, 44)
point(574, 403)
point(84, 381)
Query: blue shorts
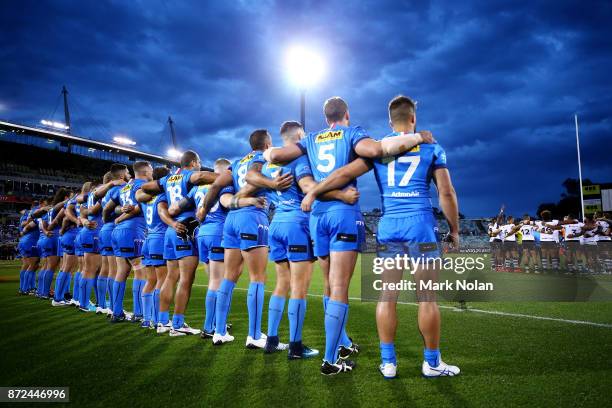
point(28, 247)
point(338, 231)
point(40, 244)
point(90, 241)
point(106, 240)
point(67, 241)
point(127, 242)
point(414, 235)
point(210, 248)
point(78, 249)
point(177, 248)
point(153, 250)
point(49, 246)
point(245, 229)
point(290, 241)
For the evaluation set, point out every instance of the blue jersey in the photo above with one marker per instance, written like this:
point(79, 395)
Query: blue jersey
point(50, 216)
point(177, 186)
point(77, 206)
point(213, 224)
point(126, 195)
point(328, 150)
point(288, 202)
point(22, 219)
point(114, 190)
point(154, 223)
point(240, 168)
point(404, 180)
point(92, 200)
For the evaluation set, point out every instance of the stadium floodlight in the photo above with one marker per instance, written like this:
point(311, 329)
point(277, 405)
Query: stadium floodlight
point(305, 68)
point(173, 153)
point(124, 140)
point(54, 125)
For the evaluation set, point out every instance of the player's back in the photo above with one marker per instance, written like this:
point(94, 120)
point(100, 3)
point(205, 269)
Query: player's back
point(213, 223)
point(127, 196)
point(404, 180)
point(239, 169)
point(329, 150)
point(288, 202)
point(574, 228)
point(154, 223)
point(91, 202)
point(113, 191)
point(177, 186)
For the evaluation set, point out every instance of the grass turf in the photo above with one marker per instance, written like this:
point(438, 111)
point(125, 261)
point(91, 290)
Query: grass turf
point(505, 361)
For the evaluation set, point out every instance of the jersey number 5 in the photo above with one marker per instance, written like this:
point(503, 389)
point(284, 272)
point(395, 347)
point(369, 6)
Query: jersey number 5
point(414, 162)
point(327, 157)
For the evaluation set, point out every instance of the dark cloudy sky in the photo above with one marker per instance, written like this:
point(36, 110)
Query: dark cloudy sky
point(497, 82)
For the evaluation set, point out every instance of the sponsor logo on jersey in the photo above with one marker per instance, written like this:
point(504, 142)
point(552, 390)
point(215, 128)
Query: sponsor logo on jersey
point(125, 188)
point(152, 200)
point(175, 178)
point(400, 194)
point(329, 136)
point(247, 158)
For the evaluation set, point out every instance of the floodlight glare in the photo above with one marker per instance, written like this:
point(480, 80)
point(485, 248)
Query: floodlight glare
point(305, 67)
point(55, 125)
point(124, 140)
point(174, 154)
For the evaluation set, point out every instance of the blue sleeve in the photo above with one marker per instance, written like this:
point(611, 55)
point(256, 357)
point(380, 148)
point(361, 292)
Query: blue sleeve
point(225, 190)
point(257, 158)
point(302, 168)
point(439, 160)
point(358, 134)
point(113, 195)
point(191, 194)
point(162, 182)
point(162, 198)
point(302, 146)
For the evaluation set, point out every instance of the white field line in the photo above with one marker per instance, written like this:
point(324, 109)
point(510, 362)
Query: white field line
point(490, 312)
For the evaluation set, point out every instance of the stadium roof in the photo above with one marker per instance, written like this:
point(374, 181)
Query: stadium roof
point(77, 140)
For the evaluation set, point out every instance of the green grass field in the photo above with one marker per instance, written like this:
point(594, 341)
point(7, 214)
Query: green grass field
point(506, 360)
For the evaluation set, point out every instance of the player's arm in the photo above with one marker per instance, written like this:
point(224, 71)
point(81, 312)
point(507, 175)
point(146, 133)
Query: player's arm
point(58, 218)
point(349, 195)
point(108, 210)
point(40, 212)
point(224, 180)
point(162, 210)
point(152, 188)
point(202, 177)
point(447, 197)
point(134, 211)
point(391, 146)
point(285, 154)
point(336, 180)
point(142, 197)
point(70, 214)
point(101, 190)
point(257, 179)
point(185, 204)
point(28, 227)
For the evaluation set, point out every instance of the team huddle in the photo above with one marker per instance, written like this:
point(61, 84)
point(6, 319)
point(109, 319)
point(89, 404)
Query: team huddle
point(160, 224)
point(528, 245)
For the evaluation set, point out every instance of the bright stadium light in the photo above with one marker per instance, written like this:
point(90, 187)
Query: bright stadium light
point(54, 125)
point(305, 68)
point(124, 140)
point(173, 153)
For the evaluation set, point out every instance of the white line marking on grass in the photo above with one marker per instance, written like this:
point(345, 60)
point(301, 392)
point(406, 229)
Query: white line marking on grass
point(490, 312)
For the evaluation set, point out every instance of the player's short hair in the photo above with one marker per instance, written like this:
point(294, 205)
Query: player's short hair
point(335, 109)
point(86, 187)
point(546, 215)
point(60, 195)
point(141, 166)
point(159, 172)
point(290, 129)
point(221, 163)
point(259, 138)
point(401, 108)
point(188, 157)
point(108, 176)
point(117, 170)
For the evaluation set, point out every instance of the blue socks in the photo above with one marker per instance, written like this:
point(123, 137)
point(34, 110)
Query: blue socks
point(40, 289)
point(59, 282)
point(147, 305)
point(335, 319)
point(101, 291)
point(177, 321)
point(210, 304)
point(155, 316)
point(66, 284)
point(118, 293)
point(137, 286)
point(296, 312)
point(22, 275)
point(111, 294)
point(344, 338)
point(48, 279)
point(164, 317)
point(276, 308)
point(255, 301)
point(224, 298)
point(432, 357)
point(76, 286)
point(86, 287)
point(387, 353)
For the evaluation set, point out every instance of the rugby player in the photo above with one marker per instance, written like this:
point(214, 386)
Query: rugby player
point(509, 245)
point(604, 241)
point(91, 220)
point(407, 223)
point(119, 176)
point(62, 282)
point(128, 238)
point(245, 239)
point(337, 228)
point(37, 217)
point(572, 229)
point(78, 248)
point(28, 250)
point(180, 248)
point(153, 251)
point(549, 241)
